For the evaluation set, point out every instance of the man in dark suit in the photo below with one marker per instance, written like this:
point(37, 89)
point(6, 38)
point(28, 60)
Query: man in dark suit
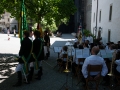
point(38, 53)
point(25, 57)
point(46, 44)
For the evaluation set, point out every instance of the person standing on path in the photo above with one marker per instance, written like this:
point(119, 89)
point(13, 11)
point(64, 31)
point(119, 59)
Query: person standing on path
point(8, 34)
point(24, 58)
point(38, 53)
point(46, 44)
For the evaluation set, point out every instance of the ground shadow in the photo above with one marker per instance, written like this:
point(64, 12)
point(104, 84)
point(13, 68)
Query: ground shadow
point(7, 62)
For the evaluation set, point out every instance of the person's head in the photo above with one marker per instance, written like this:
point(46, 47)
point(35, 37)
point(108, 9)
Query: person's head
point(112, 46)
point(101, 47)
point(45, 32)
point(95, 50)
point(65, 48)
point(26, 34)
point(85, 45)
point(118, 42)
point(31, 33)
point(37, 34)
point(87, 41)
point(117, 55)
point(80, 46)
point(76, 36)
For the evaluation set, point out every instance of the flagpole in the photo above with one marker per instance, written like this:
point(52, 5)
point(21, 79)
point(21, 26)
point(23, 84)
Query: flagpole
point(23, 21)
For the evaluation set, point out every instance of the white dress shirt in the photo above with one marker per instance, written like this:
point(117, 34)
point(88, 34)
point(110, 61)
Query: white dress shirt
point(94, 60)
point(118, 65)
point(91, 39)
point(88, 38)
point(107, 47)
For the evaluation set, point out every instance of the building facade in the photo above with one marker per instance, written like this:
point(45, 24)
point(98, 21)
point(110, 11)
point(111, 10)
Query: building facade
point(87, 14)
point(6, 22)
point(79, 15)
point(105, 19)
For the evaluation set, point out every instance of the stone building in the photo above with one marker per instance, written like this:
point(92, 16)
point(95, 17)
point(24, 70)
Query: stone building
point(84, 8)
point(6, 22)
point(105, 19)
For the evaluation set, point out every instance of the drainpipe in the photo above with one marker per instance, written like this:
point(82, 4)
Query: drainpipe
point(96, 19)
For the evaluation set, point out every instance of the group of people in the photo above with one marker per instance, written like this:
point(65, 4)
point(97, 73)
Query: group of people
point(95, 59)
point(33, 50)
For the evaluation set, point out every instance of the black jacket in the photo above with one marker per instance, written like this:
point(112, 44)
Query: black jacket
point(38, 48)
point(25, 49)
point(46, 40)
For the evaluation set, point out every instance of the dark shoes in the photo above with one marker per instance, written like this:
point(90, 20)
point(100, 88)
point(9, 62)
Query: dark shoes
point(38, 78)
point(106, 84)
point(17, 84)
point(46, 58)
point(26, 82)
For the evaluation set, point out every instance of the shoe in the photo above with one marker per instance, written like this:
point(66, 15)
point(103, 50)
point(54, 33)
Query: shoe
point(17, 84)
point(27, 82)
point(38, 78)
point(106, 84)
point(24, 80)
point(46, 58)
point(84, 85)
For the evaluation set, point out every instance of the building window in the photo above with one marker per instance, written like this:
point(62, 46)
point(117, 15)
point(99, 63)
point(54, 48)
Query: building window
point(2, 16)
point(94, 18)
point(100, 16)
point(110, 13)
point(8, 19)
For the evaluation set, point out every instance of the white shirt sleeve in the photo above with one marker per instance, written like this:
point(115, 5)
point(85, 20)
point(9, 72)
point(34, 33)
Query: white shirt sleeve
point(104, 69)
point(84, 68)
point(61, 54)
point(74, 58)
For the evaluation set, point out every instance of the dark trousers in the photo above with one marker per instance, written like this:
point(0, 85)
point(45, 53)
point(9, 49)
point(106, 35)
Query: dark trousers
point(30, 75)
point(39, 74)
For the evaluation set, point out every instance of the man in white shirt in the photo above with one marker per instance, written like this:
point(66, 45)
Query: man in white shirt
point(91, 39)
point(94, 59)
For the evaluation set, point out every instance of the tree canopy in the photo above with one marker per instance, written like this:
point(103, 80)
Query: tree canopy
point(42, 11)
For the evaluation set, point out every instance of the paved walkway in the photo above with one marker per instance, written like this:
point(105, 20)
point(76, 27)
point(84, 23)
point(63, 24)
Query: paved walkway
point(51, 79)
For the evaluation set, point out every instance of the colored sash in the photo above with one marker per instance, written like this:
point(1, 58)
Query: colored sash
point(25, 66)
point(36, 57)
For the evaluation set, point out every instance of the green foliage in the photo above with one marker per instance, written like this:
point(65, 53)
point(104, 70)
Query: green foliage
point(87, 33)
point(50, 13)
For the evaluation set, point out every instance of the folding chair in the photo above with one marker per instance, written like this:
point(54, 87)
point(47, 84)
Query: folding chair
point(78, 69)
point(118, 80)
point(60, 62)
point(96, 79)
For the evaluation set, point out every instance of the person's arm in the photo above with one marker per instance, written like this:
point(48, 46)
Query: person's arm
point(84, 68)
point(61, 54)
point(74, 58)
point(104, 69)
point(21, 51)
